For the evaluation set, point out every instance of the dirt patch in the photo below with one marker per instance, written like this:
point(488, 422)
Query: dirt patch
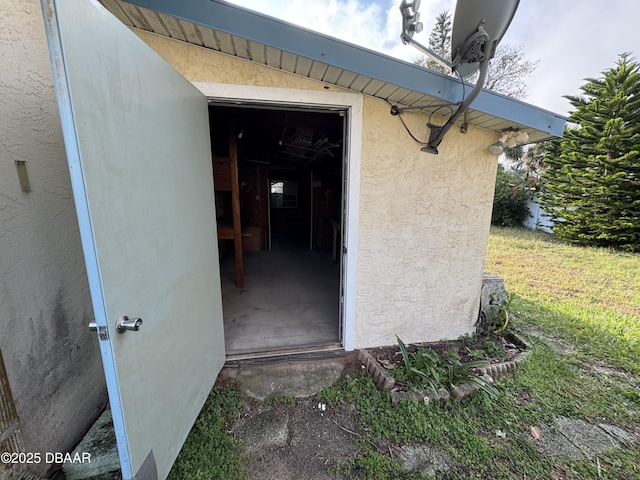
point(304, 440)
point(287, 437)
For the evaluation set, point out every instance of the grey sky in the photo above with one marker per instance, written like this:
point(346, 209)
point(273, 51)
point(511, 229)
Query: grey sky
point(572, 39)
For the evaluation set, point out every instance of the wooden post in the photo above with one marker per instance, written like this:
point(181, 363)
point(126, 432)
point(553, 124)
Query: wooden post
point(235, 207)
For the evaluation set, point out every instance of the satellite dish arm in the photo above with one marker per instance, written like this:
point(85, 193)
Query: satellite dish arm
point(438, 132)
point(407, 40)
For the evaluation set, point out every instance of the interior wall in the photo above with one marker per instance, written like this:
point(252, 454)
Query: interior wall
point(424, 219)
point(52, 359)
point(294, 223)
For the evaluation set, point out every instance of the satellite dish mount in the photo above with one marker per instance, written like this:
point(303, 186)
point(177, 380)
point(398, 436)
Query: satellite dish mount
point(478, 27)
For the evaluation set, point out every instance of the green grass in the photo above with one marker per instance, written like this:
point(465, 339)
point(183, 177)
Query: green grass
point(587, 296)
point(590, 298)
point(209, 452)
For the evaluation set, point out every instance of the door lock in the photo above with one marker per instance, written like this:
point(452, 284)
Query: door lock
point(125, 323)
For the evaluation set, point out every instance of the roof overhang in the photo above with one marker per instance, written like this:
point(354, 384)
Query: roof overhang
point(269, 41)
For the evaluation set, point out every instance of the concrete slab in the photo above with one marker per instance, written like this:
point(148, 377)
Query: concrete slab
point(424, 459)
point(290, 299)
point(588, 438)
point(555, 444)
point(291, 379)
point(100, 443)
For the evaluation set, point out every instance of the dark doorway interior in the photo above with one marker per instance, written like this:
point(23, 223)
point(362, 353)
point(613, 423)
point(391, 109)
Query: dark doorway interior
point(290, 166)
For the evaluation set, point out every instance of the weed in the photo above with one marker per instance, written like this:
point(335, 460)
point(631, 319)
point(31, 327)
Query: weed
point(492, 349)
point(466, 339)
point(477, 354)
point(285, 401)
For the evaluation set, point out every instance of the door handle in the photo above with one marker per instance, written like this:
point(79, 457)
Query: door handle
point(125, 323)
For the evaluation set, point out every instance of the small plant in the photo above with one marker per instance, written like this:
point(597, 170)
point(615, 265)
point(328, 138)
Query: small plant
point(425, 369)
point(286, 401)
point(492, 349)
point(466, 339)
point(426, 363)
point(459, 373)
point(476, 354)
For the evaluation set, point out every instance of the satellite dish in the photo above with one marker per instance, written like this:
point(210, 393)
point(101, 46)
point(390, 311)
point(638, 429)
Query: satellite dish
point(478, 27)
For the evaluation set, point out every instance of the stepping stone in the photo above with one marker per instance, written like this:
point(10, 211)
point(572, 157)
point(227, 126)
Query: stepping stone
point(555, 444)
point(587, 437)
point(424, 459)
point(577, 438)
point(291, 379)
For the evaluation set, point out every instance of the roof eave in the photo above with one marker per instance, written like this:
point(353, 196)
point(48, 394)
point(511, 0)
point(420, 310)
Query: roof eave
point(287, 37)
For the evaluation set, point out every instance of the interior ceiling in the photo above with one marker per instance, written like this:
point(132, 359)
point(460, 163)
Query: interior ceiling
point(280, 138)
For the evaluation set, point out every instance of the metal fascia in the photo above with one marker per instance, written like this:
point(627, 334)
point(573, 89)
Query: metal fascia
point(323, 48)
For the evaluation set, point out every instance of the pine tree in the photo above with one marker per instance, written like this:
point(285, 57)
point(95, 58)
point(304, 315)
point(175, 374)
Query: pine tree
point(440, 42)
point(593, 173)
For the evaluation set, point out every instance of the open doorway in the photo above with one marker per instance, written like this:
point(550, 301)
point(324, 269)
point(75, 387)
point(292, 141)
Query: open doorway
point(290, 201)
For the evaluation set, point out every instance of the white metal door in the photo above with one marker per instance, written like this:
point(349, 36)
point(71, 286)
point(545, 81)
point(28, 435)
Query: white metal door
point(137, 141)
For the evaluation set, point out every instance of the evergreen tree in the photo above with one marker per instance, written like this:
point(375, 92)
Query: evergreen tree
point(593, 173)
point(440, 41)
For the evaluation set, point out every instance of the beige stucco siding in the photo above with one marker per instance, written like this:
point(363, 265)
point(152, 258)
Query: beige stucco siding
point(52, 359)
point(424, 224)
point(423, 221)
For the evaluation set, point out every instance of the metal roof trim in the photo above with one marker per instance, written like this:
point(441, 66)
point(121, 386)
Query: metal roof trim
point(278, 34)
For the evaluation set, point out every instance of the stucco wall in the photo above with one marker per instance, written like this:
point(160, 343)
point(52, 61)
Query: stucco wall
point(53, 360)
point(424, 227)
point(424, 219)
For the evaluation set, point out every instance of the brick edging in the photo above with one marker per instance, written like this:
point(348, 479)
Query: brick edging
point(383, 380)
point(490, 372)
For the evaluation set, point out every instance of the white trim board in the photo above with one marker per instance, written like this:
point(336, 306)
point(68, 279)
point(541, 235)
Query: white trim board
point(351, 102)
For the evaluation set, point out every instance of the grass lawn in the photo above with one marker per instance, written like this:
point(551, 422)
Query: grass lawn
point(584, 300)
point(588, 296)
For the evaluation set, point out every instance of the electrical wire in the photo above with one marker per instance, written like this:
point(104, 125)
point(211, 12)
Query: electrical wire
point(409, 131)
point(464, 95)
point(434, 112)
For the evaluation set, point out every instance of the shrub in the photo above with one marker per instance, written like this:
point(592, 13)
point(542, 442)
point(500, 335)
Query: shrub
point(513, 191)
